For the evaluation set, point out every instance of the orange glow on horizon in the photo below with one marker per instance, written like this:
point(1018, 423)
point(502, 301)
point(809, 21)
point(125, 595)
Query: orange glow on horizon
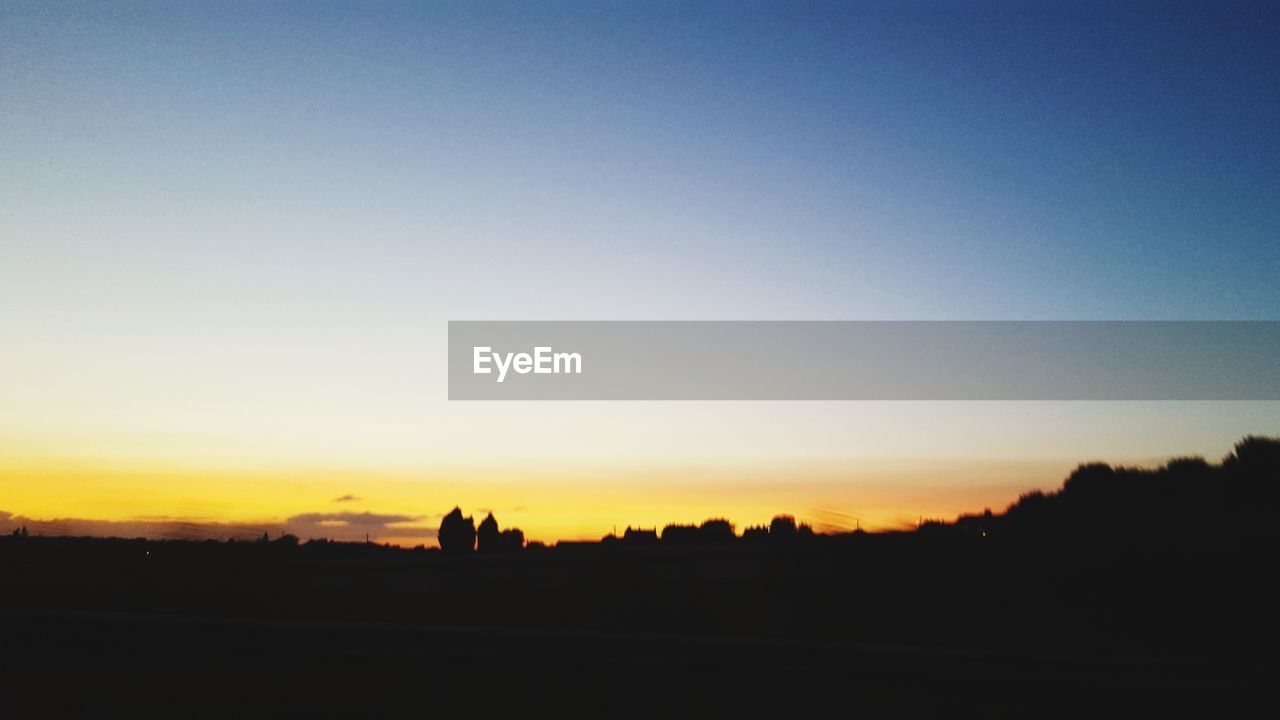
point(549, 505)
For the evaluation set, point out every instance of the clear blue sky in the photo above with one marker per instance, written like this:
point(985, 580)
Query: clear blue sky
point(259, 215)
point(895, 159)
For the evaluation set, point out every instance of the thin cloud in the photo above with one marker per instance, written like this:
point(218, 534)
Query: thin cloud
point(347, 498)
point(345, 526)
point(156, 528)
point(352, 519)
point(356, 526)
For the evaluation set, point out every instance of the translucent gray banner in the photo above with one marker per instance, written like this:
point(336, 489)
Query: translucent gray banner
point(916, 360)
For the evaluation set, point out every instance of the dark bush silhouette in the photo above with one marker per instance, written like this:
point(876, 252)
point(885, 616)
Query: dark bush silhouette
point(457, 534)
point(675, 534)
point(1255, 454)
point(717, 530)
point(782, 527)
point(512, 539)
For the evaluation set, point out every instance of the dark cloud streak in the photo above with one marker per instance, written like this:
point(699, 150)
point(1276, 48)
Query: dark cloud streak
point(334, 526)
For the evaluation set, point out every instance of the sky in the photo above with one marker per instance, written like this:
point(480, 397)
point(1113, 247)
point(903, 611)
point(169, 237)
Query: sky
point(231, 236)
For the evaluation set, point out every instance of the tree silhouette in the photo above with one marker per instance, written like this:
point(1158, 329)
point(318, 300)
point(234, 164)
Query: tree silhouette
point(1186, 499)
point(457, 534)
point(782, 527)
point(488, 537)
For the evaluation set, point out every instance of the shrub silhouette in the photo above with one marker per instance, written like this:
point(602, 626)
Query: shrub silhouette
point(512, 539)
point(717, 530)
point(457, 534)
point(782, 527)
point(1254, 453)
point(677, 534)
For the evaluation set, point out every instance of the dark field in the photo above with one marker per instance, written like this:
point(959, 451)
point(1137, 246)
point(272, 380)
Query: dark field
point(906, 623)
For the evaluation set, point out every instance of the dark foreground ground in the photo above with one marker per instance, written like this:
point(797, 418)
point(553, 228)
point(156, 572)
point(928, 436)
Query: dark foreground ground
point(97, 665)
point(900, 624)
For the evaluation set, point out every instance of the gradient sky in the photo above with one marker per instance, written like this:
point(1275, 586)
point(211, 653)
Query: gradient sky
point(231, 235)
